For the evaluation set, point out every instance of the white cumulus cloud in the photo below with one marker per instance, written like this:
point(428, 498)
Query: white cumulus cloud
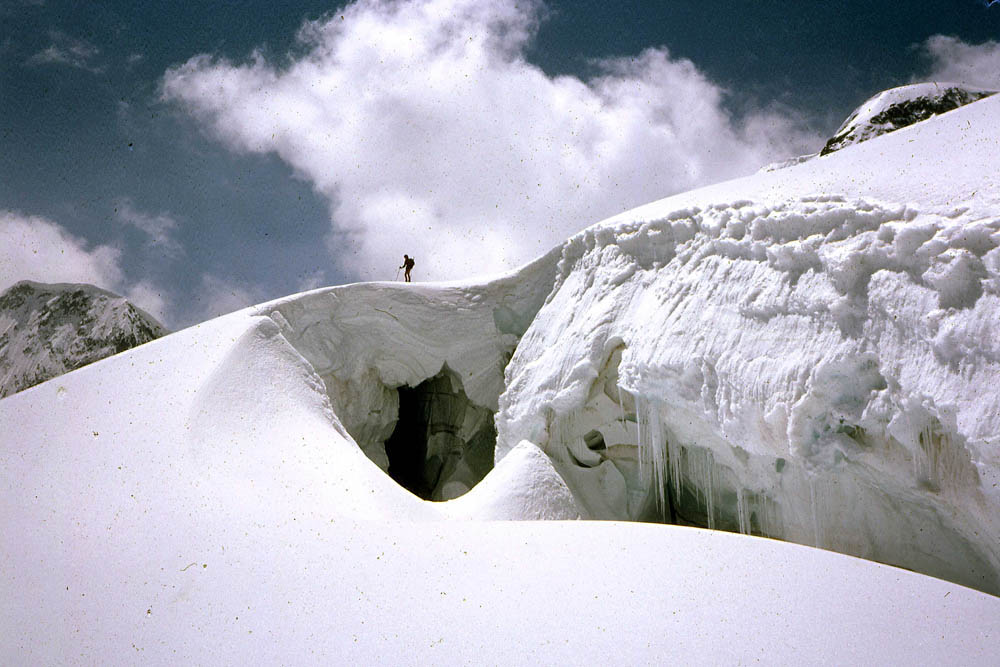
point(152, 299)
point(217, 296)
point(429, 133)
point(953, 60)
point(35, 248)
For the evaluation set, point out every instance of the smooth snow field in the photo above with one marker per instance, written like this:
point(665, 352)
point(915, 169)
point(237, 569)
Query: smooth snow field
point(802, 358)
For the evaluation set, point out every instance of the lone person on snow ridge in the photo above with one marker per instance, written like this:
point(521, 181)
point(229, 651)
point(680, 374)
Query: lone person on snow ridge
point(407, 264)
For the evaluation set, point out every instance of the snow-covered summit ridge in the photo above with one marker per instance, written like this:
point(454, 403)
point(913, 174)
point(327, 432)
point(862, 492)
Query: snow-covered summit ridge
point(900, 107)
point(892, 110)
point(49, 329)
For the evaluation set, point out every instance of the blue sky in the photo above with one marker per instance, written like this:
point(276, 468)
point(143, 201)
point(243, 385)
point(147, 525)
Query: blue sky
point(199, 157)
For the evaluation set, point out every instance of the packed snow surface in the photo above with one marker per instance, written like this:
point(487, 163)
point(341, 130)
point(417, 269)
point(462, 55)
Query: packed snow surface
point(221, 514)
point(47, 330)
point(805, 355)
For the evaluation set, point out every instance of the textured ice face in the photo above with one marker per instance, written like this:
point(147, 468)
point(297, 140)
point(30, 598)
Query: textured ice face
point(776, 370)
point(815, 368)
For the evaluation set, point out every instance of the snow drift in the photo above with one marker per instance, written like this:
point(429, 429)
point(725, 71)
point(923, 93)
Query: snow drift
point(805, 355)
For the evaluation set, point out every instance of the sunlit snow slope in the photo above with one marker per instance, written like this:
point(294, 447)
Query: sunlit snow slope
point(196, 501)
point(805, 354)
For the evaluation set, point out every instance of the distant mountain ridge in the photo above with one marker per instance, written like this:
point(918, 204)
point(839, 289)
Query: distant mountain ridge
point(47, 330)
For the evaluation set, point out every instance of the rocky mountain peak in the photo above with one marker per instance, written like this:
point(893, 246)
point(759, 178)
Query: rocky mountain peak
point(47, 330)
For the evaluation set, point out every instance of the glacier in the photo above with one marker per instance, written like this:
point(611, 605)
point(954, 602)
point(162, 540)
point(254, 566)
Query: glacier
point(790, 354)
point(801, 358)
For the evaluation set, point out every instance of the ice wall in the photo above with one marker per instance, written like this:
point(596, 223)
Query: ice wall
point(819, 368)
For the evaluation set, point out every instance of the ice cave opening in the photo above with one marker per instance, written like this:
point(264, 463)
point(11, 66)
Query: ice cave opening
point(443, 443)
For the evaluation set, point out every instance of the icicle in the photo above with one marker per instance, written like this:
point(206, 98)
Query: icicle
point(927, 460)
point(658, 455)
point(621, 404)
point(746, 502)
point(741, 508)
point(674, 456)
point(699, 475)
point(652, 451)
point(710, 490)
point(812, 502)
point(640, 440)
point(701, 465)
point(769, 526)
point(763, 519)
point(933, 458)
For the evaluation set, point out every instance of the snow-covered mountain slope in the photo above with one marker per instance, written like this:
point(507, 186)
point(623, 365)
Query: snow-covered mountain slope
point(900, 107)
point(47, 330)
point(804, 354)
point(218, 512)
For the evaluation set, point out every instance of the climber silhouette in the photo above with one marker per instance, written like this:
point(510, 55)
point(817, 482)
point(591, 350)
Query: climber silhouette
point(407, 264)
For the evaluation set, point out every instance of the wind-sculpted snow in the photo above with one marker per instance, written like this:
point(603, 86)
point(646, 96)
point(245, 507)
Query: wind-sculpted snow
point(816, 368)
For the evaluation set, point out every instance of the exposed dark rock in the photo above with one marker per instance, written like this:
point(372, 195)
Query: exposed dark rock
point(927, 101)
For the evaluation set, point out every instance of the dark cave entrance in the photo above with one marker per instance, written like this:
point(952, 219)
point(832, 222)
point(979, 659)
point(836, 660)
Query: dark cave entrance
point(443, 443)
point(406, 452)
